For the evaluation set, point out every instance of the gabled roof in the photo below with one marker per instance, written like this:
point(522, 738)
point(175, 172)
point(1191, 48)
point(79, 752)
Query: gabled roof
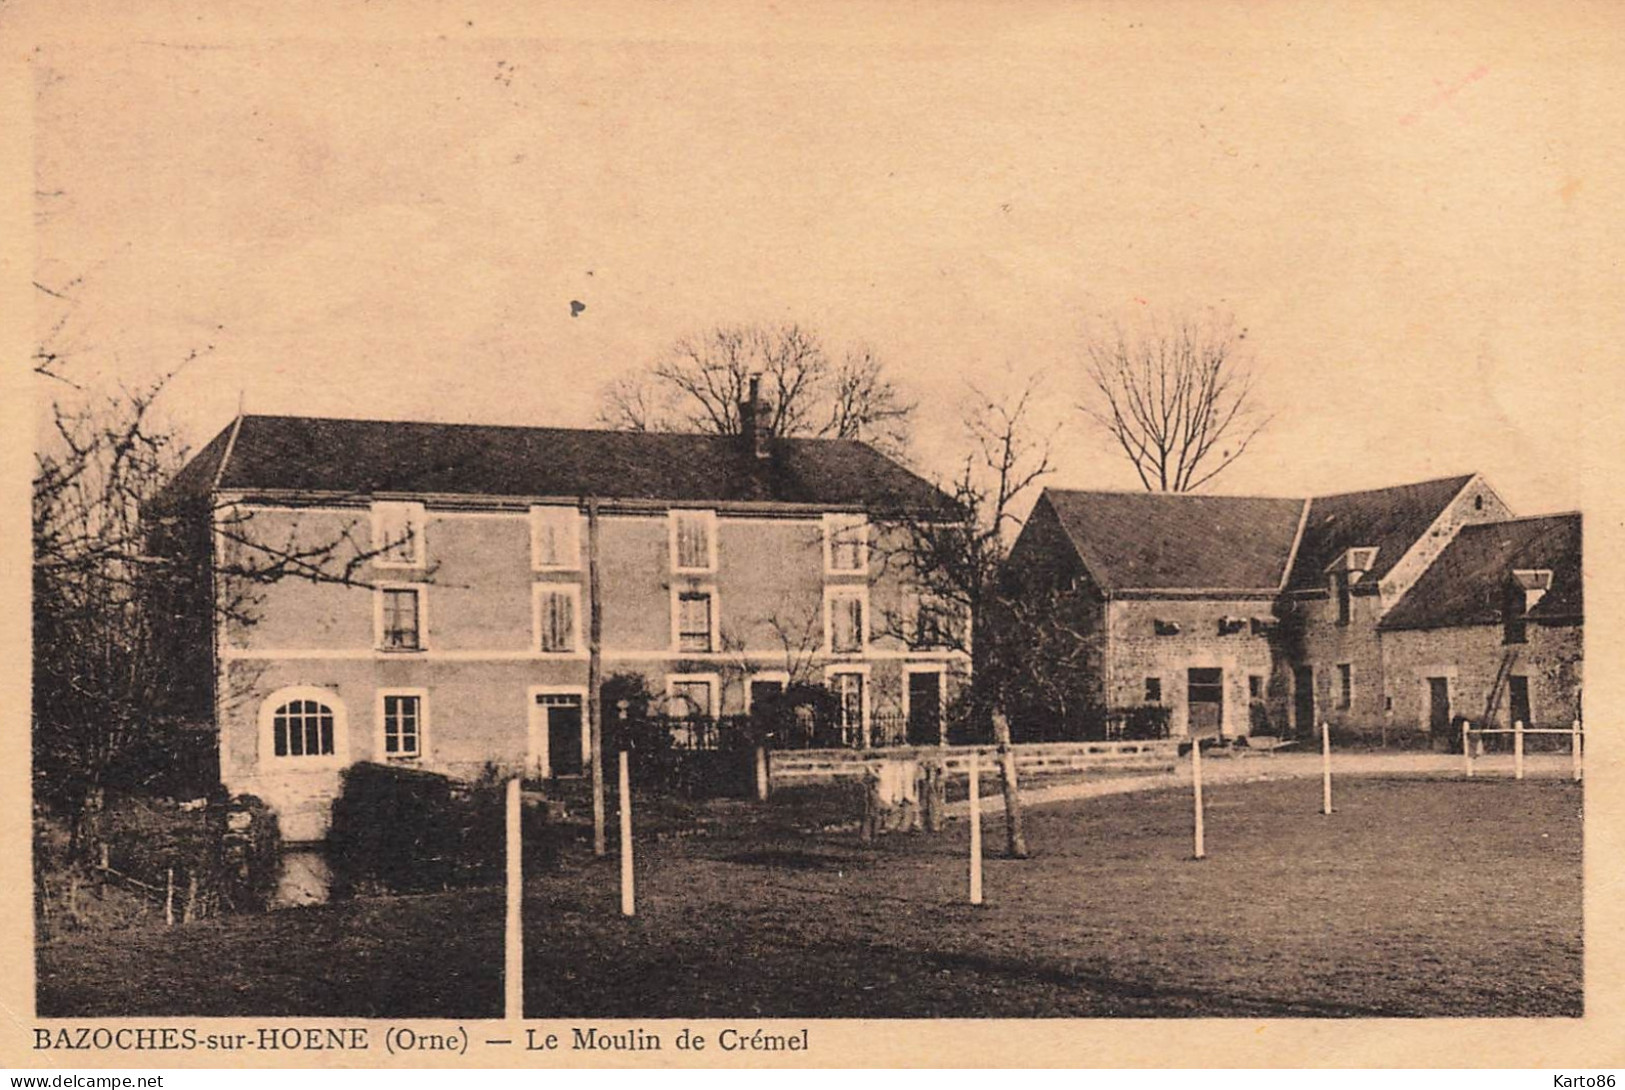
point(1392, 519)
point(365, 457)
point(1467, 583)
point(1178, 541)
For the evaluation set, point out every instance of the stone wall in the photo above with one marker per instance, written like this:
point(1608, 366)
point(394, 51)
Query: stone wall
point(1138, 652)
point(1469, 658)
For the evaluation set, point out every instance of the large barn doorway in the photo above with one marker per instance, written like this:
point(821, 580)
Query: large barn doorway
point(1204, 701)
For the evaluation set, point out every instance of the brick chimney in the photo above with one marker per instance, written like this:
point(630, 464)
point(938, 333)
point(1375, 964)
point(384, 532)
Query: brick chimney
point(753, 420)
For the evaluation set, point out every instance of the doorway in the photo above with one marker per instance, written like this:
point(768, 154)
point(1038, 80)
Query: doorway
point(924, 707)
point(1204, 701)
point(557, 735)
point(1303, 699)
point(1518, 699)
point(1439, 706)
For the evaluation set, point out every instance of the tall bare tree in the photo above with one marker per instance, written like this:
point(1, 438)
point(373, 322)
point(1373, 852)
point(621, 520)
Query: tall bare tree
point(1176, 396)
point(128, 589)
point(699, 382)
point(955, 558)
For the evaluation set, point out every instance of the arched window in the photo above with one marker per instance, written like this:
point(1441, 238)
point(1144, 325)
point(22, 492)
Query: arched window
point(302, 724)
point(302, 728)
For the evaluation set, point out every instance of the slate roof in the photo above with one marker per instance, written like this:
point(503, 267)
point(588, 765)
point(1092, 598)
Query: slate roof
point(1464, 586)
point(1392, 519)
point(364, 457)
point(1172, 541)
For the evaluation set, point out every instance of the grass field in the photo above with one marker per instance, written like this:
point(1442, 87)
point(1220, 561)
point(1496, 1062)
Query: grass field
point(1417, 898)
point(437, 955)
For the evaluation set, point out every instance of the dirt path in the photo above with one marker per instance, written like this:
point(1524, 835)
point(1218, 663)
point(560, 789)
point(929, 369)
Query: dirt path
point(1257, 769)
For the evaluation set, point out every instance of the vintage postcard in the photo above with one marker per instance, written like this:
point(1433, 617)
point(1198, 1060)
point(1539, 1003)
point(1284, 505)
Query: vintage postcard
point(819, 535)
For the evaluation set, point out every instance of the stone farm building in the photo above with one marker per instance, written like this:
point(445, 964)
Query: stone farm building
point(729, 567)
point(1396, 609)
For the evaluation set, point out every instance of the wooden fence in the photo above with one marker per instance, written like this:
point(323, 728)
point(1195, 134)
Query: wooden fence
point(790, 767)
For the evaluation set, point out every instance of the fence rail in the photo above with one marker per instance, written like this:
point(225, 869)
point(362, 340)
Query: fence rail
point(1518, 731)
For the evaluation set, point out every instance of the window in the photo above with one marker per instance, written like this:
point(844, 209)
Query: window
point(849, 692)
point(302, 728)
point(400, 618)
point(397, 535)
point(1153, 690)
point(1345, 686)
point(845, 620)
point(764, 687)
point(696, 617)
point(932, 622)
point(403, 724)
point(1255, 687)
point(1340, 589)
point(693, 541)
point(555, 538)
point(557, 607)
point(691, 696)
point(846, 544)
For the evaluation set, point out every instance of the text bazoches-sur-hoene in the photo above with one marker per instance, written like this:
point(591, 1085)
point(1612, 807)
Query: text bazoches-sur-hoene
point(360, 1039)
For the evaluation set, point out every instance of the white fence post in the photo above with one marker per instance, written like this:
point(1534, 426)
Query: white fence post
point(1467, 746)
point(1326, 767)
point(513, 987)
point(975, 830)
point(1517, 750)
point(1196, 785)
point(1578, 766)
point(628, 898)
point(761, 773)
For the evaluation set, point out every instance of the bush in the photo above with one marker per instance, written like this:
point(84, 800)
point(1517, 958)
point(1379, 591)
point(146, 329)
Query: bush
point(1141, 722)
point(404, 830)
point(223, 856)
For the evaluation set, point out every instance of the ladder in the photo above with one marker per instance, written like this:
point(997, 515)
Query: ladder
point(1493, 702)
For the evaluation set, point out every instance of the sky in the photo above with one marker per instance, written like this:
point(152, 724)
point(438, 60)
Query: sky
point(1400, 206)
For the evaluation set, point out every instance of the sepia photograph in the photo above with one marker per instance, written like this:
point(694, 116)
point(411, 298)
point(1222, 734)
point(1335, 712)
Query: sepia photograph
point(597, 517)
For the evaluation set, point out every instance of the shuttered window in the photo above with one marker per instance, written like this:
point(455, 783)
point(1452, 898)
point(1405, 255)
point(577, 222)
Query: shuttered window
point(397, 534)
point(846, 622)
point(555, 538)
point(693, 547)
point(694, 621)
point(556, 618)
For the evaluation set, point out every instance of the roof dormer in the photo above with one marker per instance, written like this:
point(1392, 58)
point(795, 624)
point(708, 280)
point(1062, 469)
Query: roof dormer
point(1534, 582)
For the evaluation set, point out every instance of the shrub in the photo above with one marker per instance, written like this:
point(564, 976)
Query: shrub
point(405, 830)
point(1142, 722)
point(223, 856)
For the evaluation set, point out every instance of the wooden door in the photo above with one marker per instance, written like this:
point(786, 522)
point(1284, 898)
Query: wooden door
point(1204, 701)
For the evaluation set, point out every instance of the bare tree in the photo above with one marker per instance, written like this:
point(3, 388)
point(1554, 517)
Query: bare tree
point(698, 384)
point(955, 558)
point(1176, 396)
point(128, 589)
